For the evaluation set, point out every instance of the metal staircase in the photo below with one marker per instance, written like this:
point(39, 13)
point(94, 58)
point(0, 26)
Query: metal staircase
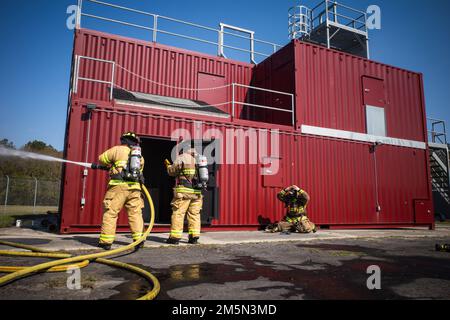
point(439, 173)
point(333, 25)
point(440, 169)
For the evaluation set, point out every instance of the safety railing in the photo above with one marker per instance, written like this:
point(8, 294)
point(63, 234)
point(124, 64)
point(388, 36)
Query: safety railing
point(300, 23)
point(334, 12)
point(236, 102)
point(77, 78)
point(438, 132)
point(238, 97)
point(155, 29)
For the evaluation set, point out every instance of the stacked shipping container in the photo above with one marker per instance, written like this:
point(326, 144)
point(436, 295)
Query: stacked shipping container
point(329, 152)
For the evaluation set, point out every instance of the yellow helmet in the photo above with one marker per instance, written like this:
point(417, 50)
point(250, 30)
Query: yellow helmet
point(130, 137)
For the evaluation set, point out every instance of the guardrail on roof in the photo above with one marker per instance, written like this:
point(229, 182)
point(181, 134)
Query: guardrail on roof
point(156, 30)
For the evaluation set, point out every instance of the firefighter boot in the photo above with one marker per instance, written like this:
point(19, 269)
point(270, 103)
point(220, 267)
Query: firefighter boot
point(105, 246)
point(173, 241)
point(193, 240)
point(139, 246)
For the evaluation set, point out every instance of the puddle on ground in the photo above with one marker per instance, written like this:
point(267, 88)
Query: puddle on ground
point(347, 280)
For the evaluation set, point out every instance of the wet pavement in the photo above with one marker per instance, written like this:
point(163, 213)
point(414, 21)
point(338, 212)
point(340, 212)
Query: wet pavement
point(323, 269)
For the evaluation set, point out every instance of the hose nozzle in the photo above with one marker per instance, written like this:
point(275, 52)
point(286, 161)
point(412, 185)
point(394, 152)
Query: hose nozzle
point(96, 166)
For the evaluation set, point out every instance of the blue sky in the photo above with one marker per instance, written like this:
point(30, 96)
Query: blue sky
point(36, 52)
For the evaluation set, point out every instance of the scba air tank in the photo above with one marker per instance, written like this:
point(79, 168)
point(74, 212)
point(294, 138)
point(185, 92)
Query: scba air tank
point(203, 174)
point(135, 161)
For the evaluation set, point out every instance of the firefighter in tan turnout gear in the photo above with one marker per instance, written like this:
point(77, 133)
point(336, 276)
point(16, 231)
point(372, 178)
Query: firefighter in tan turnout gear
point(188, 198)
point(296, 200)
point(125, 165)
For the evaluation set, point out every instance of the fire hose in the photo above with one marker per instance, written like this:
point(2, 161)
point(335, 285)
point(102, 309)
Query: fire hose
point(67, 261)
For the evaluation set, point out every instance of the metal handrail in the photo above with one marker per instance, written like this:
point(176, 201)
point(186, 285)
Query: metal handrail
point(77, 77)
point(437, 135)
point(156, 30)
point(116, 21)
point(331, 8)
point(435, 120)
point(346, 7)
point(234, 102)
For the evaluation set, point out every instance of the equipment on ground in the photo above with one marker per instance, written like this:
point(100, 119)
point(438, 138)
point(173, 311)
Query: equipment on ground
point(443, 247)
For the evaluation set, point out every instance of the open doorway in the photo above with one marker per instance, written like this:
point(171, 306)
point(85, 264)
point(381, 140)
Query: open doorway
point(210, 210)
point(158, 183)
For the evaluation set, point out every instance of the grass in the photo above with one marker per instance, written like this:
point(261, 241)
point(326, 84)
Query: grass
point(9, 214)
point(24, 210)
point(6, 221)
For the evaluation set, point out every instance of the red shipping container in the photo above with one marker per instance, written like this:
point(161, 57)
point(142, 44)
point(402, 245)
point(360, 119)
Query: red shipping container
point(355, 177)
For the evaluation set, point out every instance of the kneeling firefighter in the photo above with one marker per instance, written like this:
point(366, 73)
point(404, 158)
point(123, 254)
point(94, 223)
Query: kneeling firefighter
point(125, 165)
point(191, 172)
point(296, 200)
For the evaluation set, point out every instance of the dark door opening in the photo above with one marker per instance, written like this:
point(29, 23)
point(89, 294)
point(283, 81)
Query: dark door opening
point(211, 195)
point(158, 183)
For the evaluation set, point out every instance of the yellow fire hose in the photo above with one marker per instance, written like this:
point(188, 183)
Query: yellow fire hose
point(67, 261)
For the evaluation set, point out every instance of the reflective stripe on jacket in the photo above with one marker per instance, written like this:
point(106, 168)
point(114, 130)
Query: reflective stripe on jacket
point(184, 170)
point(117, 159)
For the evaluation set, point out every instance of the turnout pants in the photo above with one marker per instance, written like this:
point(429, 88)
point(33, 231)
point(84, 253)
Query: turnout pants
point(299, 224)
point(182, 204)
point(115, 199)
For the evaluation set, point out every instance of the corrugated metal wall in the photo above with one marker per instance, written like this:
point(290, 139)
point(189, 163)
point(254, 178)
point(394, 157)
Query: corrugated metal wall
point(330, 92)
point(240, 185)
point(138, 61)
point(341, 176)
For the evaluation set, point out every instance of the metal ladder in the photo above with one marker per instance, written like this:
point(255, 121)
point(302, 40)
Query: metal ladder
point(440, 173)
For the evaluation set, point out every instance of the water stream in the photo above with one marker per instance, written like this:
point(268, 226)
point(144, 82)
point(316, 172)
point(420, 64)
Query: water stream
point(6, 152)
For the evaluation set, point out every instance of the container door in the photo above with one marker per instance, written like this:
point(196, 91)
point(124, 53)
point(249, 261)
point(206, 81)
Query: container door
point(374, 93)
point(423, 211)
point(212, 97)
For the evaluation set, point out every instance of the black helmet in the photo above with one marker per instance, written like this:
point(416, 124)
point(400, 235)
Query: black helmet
point(130, 138)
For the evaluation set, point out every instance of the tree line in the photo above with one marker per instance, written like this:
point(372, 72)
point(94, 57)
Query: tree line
point(21, 171)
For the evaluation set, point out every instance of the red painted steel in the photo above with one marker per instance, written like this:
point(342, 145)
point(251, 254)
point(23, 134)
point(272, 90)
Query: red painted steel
point(342, 177)
point(374, 93)
point(160, 64)
point(329, 85)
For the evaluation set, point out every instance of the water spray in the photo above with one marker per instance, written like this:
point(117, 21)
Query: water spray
point(6, 152)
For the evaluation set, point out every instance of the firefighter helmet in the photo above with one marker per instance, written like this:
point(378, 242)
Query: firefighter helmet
point(130, 138)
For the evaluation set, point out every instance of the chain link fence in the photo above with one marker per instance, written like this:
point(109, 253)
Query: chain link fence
point(28, 195)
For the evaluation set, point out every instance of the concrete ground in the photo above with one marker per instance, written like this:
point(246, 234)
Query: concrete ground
point(250, 266)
